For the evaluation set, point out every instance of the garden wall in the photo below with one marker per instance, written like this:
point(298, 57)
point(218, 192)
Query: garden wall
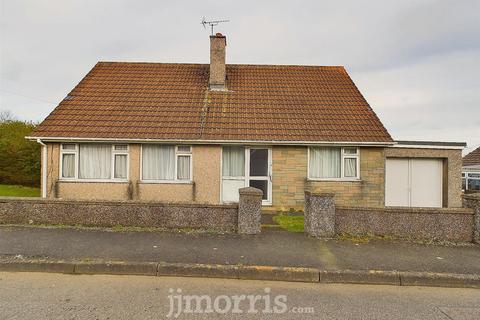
point(450, 224)
point(113, 213)
point(440, 224)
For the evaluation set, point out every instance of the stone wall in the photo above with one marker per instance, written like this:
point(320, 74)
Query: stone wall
point(289, 174)
point(124, 213)
point(450, 224)
point(250, 210)
point(319, 215)
point(289, 180)
point(472, 201)
point(369, 191)
point(453, 169)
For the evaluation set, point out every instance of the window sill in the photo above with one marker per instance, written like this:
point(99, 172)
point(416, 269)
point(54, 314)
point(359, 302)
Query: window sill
point(166, 182)
point(334, 180)
point(92, 180)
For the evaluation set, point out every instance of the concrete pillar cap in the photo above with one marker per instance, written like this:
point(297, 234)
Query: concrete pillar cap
point(250, 191)
point(321, 194)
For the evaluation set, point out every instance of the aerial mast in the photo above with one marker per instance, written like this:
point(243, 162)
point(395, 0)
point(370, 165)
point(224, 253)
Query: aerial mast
point(212, 23)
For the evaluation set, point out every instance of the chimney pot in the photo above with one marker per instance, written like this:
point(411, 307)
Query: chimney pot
point(217, 80)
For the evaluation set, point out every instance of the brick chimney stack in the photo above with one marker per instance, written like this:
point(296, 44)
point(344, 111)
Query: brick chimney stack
point(218, 73)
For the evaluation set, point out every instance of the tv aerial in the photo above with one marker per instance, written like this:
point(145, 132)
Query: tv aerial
point(212, 23)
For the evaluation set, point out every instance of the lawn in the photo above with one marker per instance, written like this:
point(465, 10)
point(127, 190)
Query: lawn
point(18, 191)
point(290, 223)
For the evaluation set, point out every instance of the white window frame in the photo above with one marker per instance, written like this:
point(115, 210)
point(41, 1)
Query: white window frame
point(467, 177)
point(112, 163)
point(342, 165)
point(69, 151)
point(175, 176)
point(120, 152)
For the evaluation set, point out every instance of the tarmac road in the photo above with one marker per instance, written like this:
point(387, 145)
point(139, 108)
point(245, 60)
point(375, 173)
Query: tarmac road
point(58, 296)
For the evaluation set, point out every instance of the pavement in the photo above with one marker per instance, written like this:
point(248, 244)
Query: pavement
point(272, 250)
point(59, 296)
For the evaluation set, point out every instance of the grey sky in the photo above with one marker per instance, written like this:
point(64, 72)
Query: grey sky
point(416, 62)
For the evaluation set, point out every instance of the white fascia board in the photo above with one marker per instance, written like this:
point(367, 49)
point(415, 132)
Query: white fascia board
point(424, 146)
point(226, 142)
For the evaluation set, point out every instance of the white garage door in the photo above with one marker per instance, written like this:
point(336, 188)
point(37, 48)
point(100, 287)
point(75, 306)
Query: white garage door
point(414, 182)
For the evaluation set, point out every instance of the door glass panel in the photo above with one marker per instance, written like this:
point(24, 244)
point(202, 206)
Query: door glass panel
point(258, 162)
point(262, 185)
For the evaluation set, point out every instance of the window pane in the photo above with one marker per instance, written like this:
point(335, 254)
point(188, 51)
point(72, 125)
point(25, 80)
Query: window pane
point(350, 169)
point(325, 162)
point(95, 161)
point(68, 166)
point(262, 185)
point(158, 162)
point(350, 150)
point(121, 147)
point(184, 149)
point(464, 183)
point(233, 161)
point(68, 146)
point(183, 168)
point(258, 162)
point(473, 184)
point(120, 170)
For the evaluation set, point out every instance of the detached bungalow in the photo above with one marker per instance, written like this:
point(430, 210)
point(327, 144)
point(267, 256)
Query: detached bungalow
point(198, 132)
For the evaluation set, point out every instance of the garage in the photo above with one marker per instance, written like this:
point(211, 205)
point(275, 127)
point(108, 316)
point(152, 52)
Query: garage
point(414, 182)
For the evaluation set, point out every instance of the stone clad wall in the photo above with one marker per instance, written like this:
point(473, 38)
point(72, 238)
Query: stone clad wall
point(289, 180)
point(369, 191)
point(289, 173)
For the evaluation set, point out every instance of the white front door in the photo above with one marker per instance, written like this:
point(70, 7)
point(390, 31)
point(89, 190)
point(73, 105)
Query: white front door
point(246, 167)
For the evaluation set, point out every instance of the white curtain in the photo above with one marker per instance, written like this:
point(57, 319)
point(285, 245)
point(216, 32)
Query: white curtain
point(325, 162)
point(120, 168)
point(183, 167)
point(233, 161)
point(68, 166)
point(95, 161)
point(158, 162)
point(350, 169)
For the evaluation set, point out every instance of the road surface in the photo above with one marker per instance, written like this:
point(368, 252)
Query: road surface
point(57, 296)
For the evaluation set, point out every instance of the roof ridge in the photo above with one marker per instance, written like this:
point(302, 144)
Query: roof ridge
point(228, 64)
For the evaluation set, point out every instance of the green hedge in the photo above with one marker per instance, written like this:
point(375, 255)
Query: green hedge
point(19, 158)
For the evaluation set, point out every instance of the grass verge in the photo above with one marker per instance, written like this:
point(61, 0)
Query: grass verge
point(290, 223)
point(18, 191)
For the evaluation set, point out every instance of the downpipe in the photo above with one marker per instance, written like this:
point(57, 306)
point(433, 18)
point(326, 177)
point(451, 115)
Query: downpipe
point(44, 168)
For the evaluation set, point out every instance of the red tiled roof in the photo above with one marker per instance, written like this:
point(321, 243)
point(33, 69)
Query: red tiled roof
point(172, 101)
point(472, 159)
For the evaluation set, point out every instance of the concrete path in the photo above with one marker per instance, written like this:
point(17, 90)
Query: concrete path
point(273, 248)
point(57, 296)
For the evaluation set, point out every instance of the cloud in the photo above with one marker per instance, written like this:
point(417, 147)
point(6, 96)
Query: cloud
point(415, 61)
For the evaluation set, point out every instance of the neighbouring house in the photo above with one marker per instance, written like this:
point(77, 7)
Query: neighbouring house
point(175, 132)
point(471, 171)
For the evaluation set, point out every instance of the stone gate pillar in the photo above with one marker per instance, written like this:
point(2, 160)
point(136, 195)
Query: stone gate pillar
point(249, 210)
point(319, 214)
point(473, 201)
